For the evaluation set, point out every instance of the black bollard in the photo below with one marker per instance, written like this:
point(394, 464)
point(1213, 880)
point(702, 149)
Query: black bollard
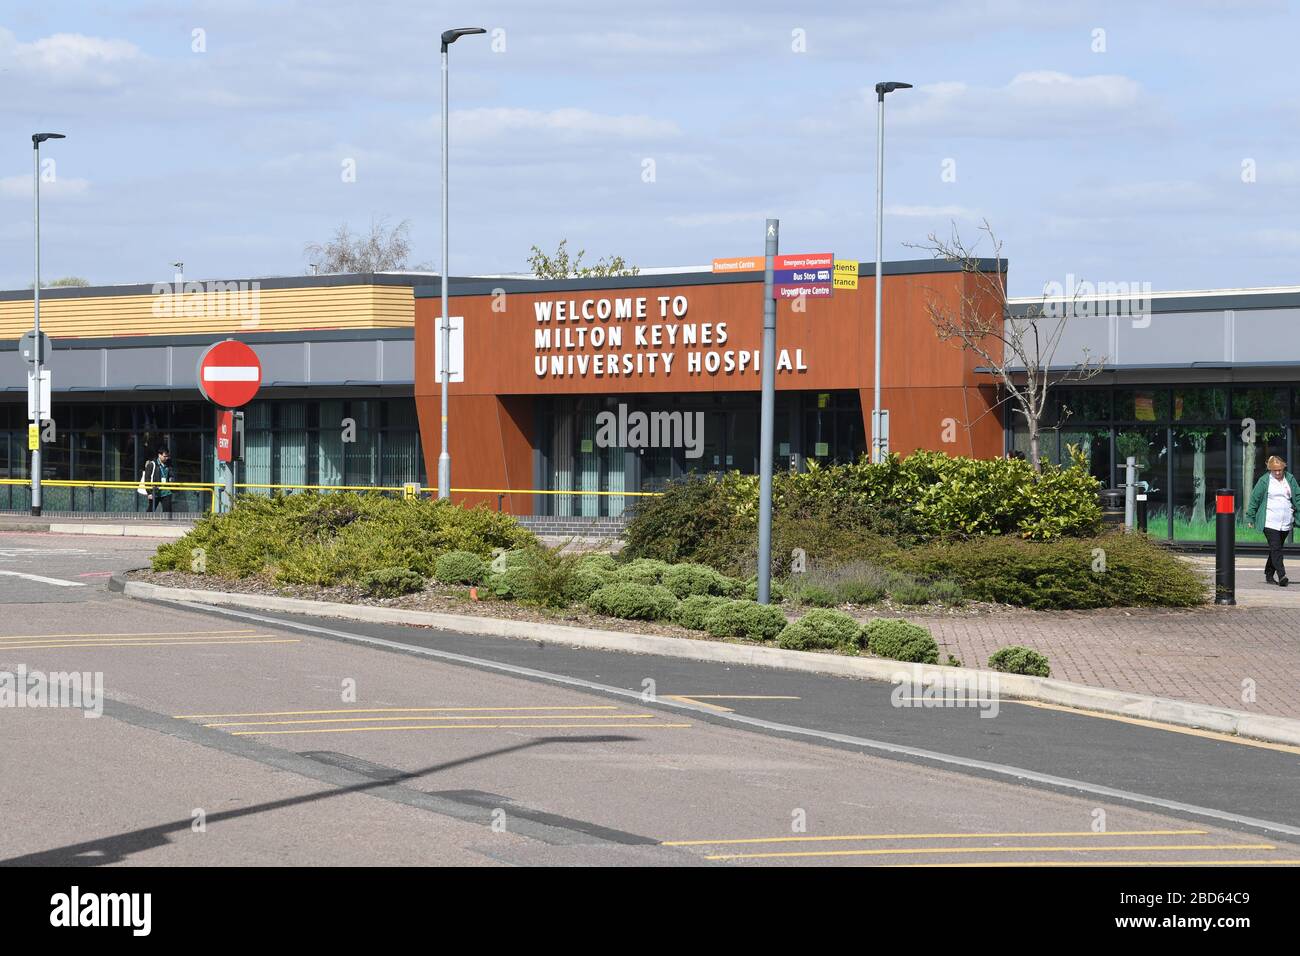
point(1142, 511)
point(1225, 540)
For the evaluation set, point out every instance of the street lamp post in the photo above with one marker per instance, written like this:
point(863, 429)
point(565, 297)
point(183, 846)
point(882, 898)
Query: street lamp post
point(877, 424)
point(444, 329)
point(37, 347)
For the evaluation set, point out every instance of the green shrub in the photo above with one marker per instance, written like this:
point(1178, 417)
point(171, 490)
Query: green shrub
point(335, 537)
point(1111, 570)
point(1020, 660)
point(511, 584)
point(818, 629)
point(776, 590)
point(687, 579)
point(692, 611)
point(739, 618)
point(910, 592)
point(460, 567)
point(644, 571)
point(391, 582)
point(632, 601)
point(587, 579)
point(815, 595)
point(598, 561)
point(855, 591)
point(900, 640)
point(946, 592)
point(846, 511)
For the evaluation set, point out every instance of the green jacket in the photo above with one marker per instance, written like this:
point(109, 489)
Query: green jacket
point(1259, 500)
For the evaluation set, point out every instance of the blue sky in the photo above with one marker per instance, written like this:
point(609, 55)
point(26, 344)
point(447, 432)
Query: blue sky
point(1122, 164)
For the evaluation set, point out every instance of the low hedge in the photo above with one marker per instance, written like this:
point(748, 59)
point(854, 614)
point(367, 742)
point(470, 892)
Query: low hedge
point(1020, 660)
point(460, 567)
point(822, 628)
point(759, 622)
point(687, 579)
point(1111, 570)
point(391, 582)
point(632, 601)
point(900, 640)
point(691, 611)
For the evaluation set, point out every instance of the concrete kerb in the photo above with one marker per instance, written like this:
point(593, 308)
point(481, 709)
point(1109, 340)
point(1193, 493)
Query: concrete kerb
point(1013, 686)
point(121, 530)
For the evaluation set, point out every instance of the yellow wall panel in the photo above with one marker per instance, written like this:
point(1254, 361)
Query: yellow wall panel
point(234, 310)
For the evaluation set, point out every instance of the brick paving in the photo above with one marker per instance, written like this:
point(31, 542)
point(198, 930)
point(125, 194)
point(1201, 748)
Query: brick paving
point(1204, 655)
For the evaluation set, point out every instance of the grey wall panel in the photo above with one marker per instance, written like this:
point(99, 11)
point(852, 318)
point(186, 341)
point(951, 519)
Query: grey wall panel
point(77, 368)
point(399, 360)
point(185, 365)
point(343, 361)
point(13, 370)
point(1169, 337)
point(283, 362)
point(132, 368)
point(1267, 335)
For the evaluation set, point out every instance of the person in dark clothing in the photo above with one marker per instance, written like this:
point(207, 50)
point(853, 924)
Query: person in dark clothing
point(157, 472)
point(1273, 507)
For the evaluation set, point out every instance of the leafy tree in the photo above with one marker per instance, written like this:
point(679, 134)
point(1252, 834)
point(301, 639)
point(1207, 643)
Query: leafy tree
point(67, 282)
point(560, 266)
point(381, 250)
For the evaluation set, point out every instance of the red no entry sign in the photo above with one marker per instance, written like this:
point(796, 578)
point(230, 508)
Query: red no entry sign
point(229, 374)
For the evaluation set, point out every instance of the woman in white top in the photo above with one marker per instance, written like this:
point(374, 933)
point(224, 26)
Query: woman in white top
point(1276, 500)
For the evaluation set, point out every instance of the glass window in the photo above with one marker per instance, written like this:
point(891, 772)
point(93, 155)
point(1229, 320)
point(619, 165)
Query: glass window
point(1261, 404)
point(1149, 447)
point(1251, 448)
point(1200, 404)
point(1200, 468)
point(1141, 405)
point(1094, 444)
point(1077, 405)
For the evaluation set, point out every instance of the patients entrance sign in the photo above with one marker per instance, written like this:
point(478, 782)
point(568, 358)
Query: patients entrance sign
point(229, 374)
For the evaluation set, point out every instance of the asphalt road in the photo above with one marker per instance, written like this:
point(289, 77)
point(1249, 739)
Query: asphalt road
point(245, 740)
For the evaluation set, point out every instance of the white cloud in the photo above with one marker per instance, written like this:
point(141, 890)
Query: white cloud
point(696, 220)
point(571, 124)
point(20, 187)
point(1035, 104)
point(69, 58)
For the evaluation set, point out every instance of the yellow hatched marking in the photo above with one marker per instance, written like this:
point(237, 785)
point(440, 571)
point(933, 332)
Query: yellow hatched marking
point(702, 698)
point(907, 851)
point(1061, 863)
point(934, 836)
point(387, 710)
point(353, 730)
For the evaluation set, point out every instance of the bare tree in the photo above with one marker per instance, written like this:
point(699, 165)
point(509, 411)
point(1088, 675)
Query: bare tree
point(382, 250)
point(560, 266)
point(1018, 348)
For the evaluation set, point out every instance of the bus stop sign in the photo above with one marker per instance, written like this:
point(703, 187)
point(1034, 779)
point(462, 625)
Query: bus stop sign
point(229, 374)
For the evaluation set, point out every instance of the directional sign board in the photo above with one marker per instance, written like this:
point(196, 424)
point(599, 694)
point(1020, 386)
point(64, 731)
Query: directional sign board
point(740, 264)
point(229, 374)
point(809, 273)
point(846, 273)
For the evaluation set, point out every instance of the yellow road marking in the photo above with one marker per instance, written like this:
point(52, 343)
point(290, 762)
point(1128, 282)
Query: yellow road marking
point(39, 637)
point(933, 836)
point(1009, 863)
point(364, 720)
point(21, 647)
point(386, 710)
point(353, 730)
point(701, 698)
point(1157, 725)
point(904, 851)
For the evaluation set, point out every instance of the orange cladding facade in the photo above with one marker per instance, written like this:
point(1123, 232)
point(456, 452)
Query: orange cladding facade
point(690, 333)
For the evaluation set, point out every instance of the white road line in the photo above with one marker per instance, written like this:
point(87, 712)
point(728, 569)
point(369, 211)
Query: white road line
point(44, 580)
point(967, 763)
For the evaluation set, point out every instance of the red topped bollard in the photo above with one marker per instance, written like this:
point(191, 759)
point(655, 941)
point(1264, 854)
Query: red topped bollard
point(1225, 541)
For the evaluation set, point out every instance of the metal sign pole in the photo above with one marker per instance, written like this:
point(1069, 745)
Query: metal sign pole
point(767, 419)
point(36, 328)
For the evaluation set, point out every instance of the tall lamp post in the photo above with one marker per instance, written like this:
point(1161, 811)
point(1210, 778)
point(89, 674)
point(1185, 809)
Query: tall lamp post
point(877, 423)
point(444, 329)
point(37, 344)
